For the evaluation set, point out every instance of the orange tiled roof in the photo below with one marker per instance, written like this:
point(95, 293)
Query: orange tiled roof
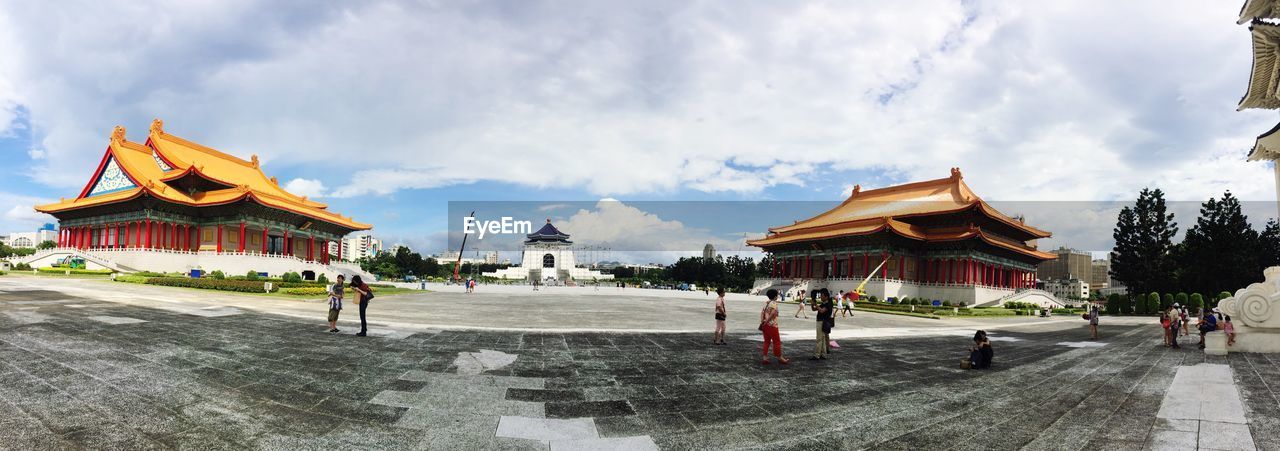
point(139, 163)
point(867, 212)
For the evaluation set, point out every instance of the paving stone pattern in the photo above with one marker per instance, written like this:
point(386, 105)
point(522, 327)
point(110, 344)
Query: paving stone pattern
point(244, 380)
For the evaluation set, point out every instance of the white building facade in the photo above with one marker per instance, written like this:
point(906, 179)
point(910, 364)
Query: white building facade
point(29, 240)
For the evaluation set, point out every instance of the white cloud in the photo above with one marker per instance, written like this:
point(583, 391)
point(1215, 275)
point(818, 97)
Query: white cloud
point(1034, 100)
point(305, 187)
point(21, 215)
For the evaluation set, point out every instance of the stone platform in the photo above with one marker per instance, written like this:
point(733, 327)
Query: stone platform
point(79, 372)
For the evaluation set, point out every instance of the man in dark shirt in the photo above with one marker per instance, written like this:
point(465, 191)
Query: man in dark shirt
point(825, 308)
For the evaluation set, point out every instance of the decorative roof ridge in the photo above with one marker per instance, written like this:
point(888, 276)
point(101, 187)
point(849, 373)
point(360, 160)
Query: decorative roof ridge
point(954, 179)
point(157, 132)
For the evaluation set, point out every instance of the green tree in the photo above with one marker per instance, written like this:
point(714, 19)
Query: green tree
point(251, 275)
point(321, 278)
point(1144, 239)
point(46, 244)
point(1153, 304)
point(1270, 245)
point(1196, 301)
point(1180, 299)
point(1221, 249)
point(1165, 301)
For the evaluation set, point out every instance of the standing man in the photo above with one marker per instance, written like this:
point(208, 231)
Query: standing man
point(825, 309)
point(335, 303)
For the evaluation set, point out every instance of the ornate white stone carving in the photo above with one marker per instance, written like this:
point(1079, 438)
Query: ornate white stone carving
point(1257, 305)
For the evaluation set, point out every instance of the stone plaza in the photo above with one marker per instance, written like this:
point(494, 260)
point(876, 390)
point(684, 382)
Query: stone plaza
point(99, 365)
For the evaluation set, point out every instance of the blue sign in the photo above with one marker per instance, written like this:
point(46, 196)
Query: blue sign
point(937, 303)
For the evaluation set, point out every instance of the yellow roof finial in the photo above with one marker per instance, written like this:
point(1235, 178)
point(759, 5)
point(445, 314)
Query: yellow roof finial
point(857, 189)
point(254, 159)
point(157, 126)
point(955, 173)
point(117, 134)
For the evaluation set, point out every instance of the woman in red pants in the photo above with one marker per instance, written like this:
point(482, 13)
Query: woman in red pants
point(769, 326)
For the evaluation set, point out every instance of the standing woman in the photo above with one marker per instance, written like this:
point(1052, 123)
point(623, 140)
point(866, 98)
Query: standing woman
point(363, 295)
point(769, 326)
point(1093, 322)
point(720, 317)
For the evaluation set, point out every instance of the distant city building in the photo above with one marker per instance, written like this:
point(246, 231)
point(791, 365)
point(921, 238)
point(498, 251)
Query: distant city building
point(491, 257)
point(1067, 288)
point(708, 252)
point(1069, 264)
point(356, 247)
point(1101, 277)
point(29, 240)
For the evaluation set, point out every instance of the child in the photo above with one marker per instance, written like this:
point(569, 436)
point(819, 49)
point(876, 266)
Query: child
point(335, 304)
point(1230, 330)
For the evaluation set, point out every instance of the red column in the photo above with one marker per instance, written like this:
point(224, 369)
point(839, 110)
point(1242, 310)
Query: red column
point(242, 237)
point(311, 248)
point(884, 271)
point(146, 235)
point(219, 238)
point(265, 238)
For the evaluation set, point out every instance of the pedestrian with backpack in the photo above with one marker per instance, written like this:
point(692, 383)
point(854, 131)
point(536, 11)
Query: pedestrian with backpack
point(364, 294)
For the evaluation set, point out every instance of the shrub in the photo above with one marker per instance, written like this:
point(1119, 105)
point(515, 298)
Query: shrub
point(306, 291)
point(1223, 295)
point(131, 279)
point(872, 299)
point(21, 267)
point(243, 286)
point(946, 303)
point(292, 277)
point(1165, 302)
point(1196, 301)
point(1113, 304)
point(217, 275)
point(1181, 299)
point(322, 279)
point(251, 275)
point(53, 270)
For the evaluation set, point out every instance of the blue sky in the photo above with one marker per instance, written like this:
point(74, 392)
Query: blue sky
point(389, 110)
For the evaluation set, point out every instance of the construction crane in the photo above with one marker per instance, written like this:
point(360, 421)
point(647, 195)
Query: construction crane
point(859, 293)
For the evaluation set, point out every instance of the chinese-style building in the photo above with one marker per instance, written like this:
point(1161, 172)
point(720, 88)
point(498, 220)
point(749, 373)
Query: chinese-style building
point(548, 258)
point(938, 240)
point(168, 204)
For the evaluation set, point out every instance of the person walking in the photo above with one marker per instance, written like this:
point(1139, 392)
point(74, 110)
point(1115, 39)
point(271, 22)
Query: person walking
point(335, 303)
point(720, 318)
point(364, 294)
point(1093, 322)
point(769, 327)
point(800, 304)
point(822, 330)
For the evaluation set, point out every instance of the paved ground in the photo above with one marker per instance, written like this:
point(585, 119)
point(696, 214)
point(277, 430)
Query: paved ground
point(80, 369)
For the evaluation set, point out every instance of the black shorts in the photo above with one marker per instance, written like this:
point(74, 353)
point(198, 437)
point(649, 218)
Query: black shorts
point(719, 317)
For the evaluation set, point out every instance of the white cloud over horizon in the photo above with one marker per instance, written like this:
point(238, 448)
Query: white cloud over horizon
point(1039, 100)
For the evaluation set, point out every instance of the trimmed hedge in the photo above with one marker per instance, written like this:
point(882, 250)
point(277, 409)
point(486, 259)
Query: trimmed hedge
point(132, 279)
point(56, 270)
point(243, 286)
point(306, 291)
